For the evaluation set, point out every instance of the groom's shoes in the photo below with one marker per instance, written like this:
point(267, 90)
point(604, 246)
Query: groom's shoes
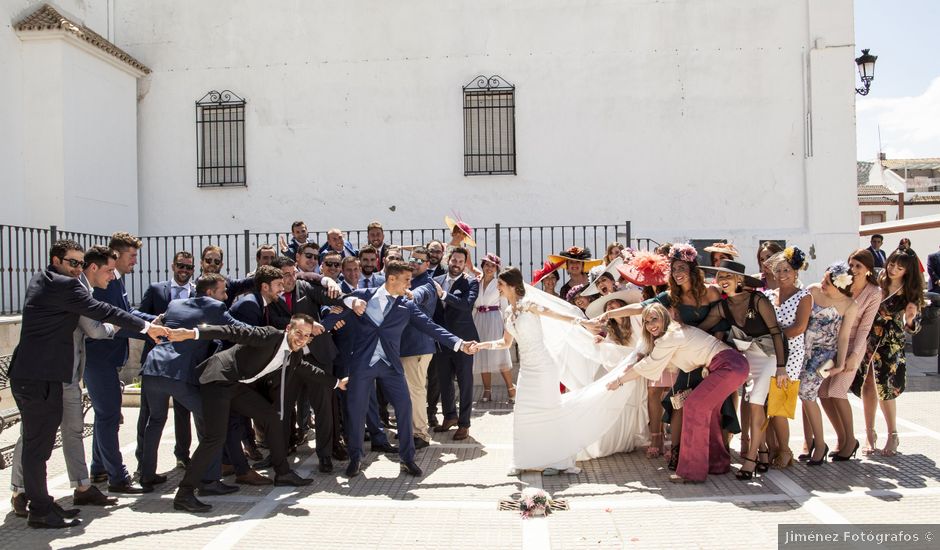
point(448, 424)
point(291, 479)
point(411, 468)
point(354, 468)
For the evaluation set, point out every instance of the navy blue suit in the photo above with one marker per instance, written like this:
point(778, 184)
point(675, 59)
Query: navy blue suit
point(933, 271)
point(155, 301)
point(879, 256)
point(363, 373)
point(348, 250)
point(236, 287)
point(413, 341)
point(377, 280)
point(103, 360)
point(169, 371)
point(454, 312)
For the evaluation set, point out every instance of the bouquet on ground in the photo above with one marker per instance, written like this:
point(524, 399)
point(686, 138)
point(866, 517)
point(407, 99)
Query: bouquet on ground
point(535, 502)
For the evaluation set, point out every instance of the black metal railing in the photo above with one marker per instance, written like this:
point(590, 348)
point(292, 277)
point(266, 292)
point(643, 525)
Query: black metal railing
point(25, 250)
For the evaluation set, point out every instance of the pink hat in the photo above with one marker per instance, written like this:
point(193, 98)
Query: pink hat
point(493, 259)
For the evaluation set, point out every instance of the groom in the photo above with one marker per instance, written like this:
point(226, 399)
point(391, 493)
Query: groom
point(376, 356)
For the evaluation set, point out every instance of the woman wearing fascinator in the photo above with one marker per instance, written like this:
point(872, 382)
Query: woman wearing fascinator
point(793, 306)
point(827, 344)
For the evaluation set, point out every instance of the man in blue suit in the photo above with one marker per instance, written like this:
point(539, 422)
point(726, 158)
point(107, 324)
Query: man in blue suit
point(155, 301)
point(103, 361)
point(370, 274)
point(417, 348)
point(376, 356)
point(336, 242)
point(169, 371)
point(457, 293)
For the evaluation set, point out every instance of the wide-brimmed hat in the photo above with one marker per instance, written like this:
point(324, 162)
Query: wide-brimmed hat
point(547, 269)
point(735, 268)
point(646, 269)
point(464, 228)
point(578, 254)
point(723, 248)
point(612, 269)
point(627, 296)
point(493, 259)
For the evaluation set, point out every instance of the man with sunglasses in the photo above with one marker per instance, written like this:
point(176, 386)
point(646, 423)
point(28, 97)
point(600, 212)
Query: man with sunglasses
point(155, 301)
point(44, 360)
point(308, 258)
point(331, 265)
point(227, 384)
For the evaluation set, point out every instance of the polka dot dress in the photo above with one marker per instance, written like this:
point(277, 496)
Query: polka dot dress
point(786, 316)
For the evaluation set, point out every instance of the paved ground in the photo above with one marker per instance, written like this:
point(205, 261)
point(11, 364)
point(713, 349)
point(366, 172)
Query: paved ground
point(619, 501)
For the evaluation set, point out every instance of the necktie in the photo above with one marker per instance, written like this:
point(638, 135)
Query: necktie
point(388, 306)
point(177, 291)
point(124, 295)
point(283, 376)
point(368, 281)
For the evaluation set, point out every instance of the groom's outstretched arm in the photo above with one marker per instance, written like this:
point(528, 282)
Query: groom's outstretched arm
point(421, 322)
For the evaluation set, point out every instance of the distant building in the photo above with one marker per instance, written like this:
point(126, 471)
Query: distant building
point(891, 190)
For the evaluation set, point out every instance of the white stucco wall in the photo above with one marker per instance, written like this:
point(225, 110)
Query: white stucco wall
point(69, 148)
point(687, 117)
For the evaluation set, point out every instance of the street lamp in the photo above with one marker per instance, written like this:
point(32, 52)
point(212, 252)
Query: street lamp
point(866, 70)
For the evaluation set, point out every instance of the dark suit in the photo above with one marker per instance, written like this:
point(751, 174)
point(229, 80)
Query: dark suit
point(454, 312)
point(879, 256)
point(933, 271)
point(348, 250)
point(44, 360)
point(236, 287)
point(155, 301)
point(222, 391)
point(364, 371)
point(104, 359)
point(375, 281)
point(170, 371)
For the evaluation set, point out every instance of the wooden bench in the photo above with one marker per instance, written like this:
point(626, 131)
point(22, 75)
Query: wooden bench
point(10, 414)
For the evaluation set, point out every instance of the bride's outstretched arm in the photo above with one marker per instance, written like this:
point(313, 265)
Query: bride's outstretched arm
point(502, 343)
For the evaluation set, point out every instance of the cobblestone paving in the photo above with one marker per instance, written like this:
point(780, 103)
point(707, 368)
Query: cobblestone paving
point(620, 501)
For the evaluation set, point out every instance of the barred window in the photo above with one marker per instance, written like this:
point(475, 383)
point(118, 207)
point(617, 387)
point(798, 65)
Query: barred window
point(220, 140)
point(489, 127)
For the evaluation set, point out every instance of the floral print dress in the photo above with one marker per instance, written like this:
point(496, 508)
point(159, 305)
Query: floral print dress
point(822, 344)
point(884, 356)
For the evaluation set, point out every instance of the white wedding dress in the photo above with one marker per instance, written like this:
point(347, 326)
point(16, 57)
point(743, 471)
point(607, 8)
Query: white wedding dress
point(553, 430)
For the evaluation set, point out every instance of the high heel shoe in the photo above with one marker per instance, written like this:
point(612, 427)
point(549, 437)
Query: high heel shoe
point(512, 396)
point(821, 461)
point(891, 447)
point(784, 459)
point(745, 475)
point(840, 458)
point(763, 466)
point(808, 455)
point(872, 441)
point(673, 458)
point(487, 396)
point(654, 449)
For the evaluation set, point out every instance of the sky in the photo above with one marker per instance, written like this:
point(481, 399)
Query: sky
point(905, 94)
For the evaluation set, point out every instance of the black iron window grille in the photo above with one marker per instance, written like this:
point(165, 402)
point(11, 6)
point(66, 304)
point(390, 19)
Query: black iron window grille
point(489, 127)
point(220, 140)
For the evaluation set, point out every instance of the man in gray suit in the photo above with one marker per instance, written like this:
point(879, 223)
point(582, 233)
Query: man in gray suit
point(98, 272)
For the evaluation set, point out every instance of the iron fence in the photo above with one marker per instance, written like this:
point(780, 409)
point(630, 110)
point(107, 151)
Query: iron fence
point(25, 250)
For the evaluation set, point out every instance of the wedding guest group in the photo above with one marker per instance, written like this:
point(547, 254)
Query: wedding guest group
point(663, 350)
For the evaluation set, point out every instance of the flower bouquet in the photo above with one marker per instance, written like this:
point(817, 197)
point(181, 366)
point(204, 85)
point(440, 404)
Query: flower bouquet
point(535, 502)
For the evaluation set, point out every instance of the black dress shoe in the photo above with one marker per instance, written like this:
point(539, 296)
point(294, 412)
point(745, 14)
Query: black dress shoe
point(353, 469)
point(99, 478)
point(291, 479)
point(52, 520)
point(129, 488)
point(411, 468)
point(339, 453)
point(92, 496)
point(420, 443)
point(157, 479)
point(187, 501)
point(215, 488)
point(18, 503)
point(387, 448)
point(65, 514)
point(182, 463)
point(326, 465)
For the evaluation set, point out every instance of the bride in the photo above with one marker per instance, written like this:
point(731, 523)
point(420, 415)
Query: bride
point(551, 430)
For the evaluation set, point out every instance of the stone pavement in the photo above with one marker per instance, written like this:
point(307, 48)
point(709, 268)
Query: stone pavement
point(620, 501)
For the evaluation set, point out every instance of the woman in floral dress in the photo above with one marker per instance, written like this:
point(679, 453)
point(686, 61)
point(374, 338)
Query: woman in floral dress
point(882, 375)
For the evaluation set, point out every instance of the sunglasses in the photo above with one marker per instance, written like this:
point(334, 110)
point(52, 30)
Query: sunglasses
point(73, 262)
point(188, 267)
point(416, 261)
point(212, 261)
point(310, 255)
point(332, 264)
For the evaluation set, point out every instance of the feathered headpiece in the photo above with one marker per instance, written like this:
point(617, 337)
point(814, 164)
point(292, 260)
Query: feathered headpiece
point(840, 275)
point(796, 258)
point(646, 269)
point(683, 251)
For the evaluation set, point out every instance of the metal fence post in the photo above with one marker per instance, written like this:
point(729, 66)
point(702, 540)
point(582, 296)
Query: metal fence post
point(626, 226)
point(497, 239)
point(53, 234)
point(247, 252)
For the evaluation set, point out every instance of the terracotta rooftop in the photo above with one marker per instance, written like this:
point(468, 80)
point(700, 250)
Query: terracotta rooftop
point(912, 164)
point(863, 170)
point(868, 190)
point(46, 18)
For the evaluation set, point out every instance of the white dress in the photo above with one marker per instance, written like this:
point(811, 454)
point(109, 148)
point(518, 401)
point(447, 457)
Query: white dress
point(550, 429)
point(786, 316)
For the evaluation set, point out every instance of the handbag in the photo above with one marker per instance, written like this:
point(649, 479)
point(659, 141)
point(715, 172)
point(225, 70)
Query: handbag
point(678, 397)
point(782, 401)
